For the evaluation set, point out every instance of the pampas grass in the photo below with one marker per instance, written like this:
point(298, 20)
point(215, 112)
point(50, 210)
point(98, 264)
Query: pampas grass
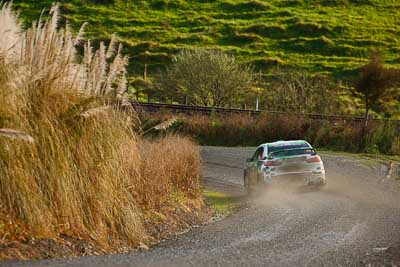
point(15, 134)
point(74, 177)
point(86, 174)
point(165, 124)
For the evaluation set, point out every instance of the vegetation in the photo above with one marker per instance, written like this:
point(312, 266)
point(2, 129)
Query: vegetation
point(365, 158)
point(70, 163)
point(246, 130)
point(375, 82)
point(222, 203)
point(298, 91)
point(206, 78)
point(332, 39)
point(73, 164)
point(319, 36)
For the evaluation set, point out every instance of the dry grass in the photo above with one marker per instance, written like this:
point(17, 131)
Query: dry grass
point(177, 170)
point(247, 130)
point(83, 171)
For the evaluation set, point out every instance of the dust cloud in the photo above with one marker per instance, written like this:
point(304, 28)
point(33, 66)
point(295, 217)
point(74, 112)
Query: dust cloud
point(356, 189)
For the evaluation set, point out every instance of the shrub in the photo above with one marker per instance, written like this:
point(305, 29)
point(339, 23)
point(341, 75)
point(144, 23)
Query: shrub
point(395, 149)
point(382, 137)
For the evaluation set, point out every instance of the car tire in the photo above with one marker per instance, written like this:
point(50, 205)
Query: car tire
point(322, 182)
point(245, 181)
point(246, 184)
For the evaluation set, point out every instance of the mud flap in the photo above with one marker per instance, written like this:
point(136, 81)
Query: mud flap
point(253, 184)
point(252, 181)
point(312, 180)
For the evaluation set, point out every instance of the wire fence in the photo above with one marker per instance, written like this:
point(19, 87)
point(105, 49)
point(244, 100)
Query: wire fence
point(187, 109)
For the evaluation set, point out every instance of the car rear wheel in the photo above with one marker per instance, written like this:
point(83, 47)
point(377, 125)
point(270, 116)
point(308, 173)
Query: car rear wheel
point(321, 182)
point(245, 180)
point(246, 184)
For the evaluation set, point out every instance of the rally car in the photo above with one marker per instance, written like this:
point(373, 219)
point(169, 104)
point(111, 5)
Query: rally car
point(282, 160)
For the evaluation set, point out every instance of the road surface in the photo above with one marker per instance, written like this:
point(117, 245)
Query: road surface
point(353, 221)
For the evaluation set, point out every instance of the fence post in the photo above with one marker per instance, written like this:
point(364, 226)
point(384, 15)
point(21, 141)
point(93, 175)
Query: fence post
point(257, 104)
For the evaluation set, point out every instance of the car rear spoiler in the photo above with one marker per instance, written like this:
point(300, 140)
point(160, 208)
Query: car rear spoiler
point(306, 150)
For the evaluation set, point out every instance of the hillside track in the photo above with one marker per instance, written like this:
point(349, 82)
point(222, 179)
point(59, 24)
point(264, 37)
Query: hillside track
point(353, 221)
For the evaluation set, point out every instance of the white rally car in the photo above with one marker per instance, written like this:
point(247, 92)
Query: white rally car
point(284, 159)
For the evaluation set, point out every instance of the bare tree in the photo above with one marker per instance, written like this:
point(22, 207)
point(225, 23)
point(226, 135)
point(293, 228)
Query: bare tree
point(207, 77)
point(298, 91)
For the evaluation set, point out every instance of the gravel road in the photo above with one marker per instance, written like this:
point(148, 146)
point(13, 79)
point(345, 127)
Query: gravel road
point(353, 221)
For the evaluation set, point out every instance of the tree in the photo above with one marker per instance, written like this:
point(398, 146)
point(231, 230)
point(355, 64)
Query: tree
point(207, 77)
point(374, 82)
point(299, 91)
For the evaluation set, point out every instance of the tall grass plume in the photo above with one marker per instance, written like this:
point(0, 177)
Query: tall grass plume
point(83, 171)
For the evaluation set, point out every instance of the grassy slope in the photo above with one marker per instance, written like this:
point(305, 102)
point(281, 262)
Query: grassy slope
point(331, 36)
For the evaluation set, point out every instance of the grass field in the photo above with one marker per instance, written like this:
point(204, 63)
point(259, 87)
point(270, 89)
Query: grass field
point(328, 36)
point(222, 203)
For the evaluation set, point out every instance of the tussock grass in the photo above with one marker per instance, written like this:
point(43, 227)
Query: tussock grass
point(70, 162)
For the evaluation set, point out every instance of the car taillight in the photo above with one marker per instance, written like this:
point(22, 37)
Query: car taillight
point(271, 163)
point(314, 159)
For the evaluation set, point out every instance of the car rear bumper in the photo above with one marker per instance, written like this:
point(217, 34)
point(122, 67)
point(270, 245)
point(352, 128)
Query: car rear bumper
point(308, 177)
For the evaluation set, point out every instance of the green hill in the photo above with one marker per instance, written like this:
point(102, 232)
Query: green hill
point(332, 36)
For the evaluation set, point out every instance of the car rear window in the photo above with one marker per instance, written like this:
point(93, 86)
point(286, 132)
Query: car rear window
point(294, 152)
point(273, 148)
